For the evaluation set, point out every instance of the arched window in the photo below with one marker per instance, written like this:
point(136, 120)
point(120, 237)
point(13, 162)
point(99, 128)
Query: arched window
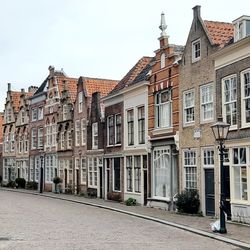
point(162, 60)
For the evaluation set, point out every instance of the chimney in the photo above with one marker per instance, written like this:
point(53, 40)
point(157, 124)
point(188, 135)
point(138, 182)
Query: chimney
point(9, 86)
point(22, 91)
point(197, 11)
point(32, 89)
point(51, 71)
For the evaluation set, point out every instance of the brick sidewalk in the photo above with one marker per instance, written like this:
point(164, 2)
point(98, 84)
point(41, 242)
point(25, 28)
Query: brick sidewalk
point(236, 231)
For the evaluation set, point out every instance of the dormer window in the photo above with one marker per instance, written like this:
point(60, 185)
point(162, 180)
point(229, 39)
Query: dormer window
point(241, 27)
point(196, 50)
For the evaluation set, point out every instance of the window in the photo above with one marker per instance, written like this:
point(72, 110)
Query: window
point(116, 174)
point(80, 103)
point(48, 135)
point(229, 100)
point(40, 113)
point(163, 60)
point(54, 127)
point(26, 143)
point(118, 129)
point(83, 128)
point(110, 130)
point(40, 137)
point(8, 115)
point(69, 139)
point(129, 172)
point(20, 146)
point(240, 173)
point(161, 172)
point(190, 169)
point(93, 172)
point(65, 112)
point(34, 114)
point(77, 133)
point(163, 109)
point(137, 174)
point(141, 125)
point(188, 103)
point(208, 158)
point(206, 95)
point(130, 120)
point(196, 50)
point(95, 135)
point(245, 93)
point(22, 117)
point(62, 140)
point(33, 138)
point(84, 169)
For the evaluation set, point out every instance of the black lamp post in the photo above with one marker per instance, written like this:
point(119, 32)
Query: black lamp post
point(220, 131)
point(41, 172)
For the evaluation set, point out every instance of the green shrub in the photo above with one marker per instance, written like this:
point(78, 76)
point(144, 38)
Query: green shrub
point(32, 185)
point(11, 184)
point(20, 182)
point(130, 202)
point(57, 180)
point(188, 201)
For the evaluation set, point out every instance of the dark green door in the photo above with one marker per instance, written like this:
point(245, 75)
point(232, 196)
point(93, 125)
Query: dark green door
point(209, 191)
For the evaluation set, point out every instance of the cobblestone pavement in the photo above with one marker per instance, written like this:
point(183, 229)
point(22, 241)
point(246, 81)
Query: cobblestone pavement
point(36, 222)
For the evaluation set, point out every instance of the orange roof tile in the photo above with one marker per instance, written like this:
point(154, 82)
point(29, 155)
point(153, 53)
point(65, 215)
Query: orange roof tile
point(104, 86)
point(69, 84)
point(132, 74)
point(219, 32)
point(15, 98)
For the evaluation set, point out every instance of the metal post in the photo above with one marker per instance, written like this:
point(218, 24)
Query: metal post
point(222, 191)
point(41, 174)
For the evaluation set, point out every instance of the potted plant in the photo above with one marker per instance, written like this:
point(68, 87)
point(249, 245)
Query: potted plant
point(56, 181)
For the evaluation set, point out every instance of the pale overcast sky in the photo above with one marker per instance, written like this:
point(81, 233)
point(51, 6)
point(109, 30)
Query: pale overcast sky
point(95, 38)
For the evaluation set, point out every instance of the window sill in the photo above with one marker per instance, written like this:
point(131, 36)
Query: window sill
point(188, 124)
point(158, 131)
point(115, 145)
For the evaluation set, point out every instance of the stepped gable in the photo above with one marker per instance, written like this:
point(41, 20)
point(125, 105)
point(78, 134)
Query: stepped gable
point(220, 33)
point(128, 79)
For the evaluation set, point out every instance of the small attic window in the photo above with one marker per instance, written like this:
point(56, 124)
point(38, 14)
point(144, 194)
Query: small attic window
point(162, 60)
point(241, 28)
point(196, 50)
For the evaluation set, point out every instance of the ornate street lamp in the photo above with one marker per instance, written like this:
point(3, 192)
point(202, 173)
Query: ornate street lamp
point(220, 131)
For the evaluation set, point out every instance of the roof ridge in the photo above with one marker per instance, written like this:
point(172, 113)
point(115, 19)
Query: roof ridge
point(96, 78)
point(217, 22)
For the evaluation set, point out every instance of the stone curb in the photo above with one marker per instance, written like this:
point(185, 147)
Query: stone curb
point(168, 223)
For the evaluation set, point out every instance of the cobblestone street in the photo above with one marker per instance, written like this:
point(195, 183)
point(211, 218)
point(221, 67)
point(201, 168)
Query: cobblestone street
point(34, 222)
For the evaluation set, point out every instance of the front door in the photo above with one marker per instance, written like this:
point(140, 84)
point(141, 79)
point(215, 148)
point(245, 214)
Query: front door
point(209, 191)
point(100, 182)
point(145, 187)
point(65, 179)
point(77, 181)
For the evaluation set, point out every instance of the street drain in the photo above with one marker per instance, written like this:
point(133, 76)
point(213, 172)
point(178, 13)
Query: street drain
point(4, 239)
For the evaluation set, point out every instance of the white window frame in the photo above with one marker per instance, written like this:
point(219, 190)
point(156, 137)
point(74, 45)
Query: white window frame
point(80, 102)
point(93, 167)
point(163, 60)
point(117, 142)
point(196, 51)
point(130, 125)
point(77, 132)
point(187, 107)
point(34, 114)
point(160, 104)
point(208, 157)
point(40, 137)
point(190, 168)
point(95, 135)
point(109, 129)
point(33, 138)
point(69, 139)
point(40, 113)
point(206, 101)
point(244, 98)
point(83, 131)
point(224, 103)
point(62, 140)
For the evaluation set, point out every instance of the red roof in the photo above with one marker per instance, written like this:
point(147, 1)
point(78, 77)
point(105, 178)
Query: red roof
point(15, 98)
point(69, 84)
point(220, 33)
point(132, 74)
point(104, 86)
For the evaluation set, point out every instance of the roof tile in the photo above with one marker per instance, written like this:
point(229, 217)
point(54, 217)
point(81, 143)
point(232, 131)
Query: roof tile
point(219, 32)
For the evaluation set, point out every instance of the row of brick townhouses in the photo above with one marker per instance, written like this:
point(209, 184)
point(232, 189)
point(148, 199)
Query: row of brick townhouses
point(149, 135)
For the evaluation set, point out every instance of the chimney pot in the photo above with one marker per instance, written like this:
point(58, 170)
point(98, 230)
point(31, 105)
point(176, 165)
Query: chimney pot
point(9, 86)
point(197, 11)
